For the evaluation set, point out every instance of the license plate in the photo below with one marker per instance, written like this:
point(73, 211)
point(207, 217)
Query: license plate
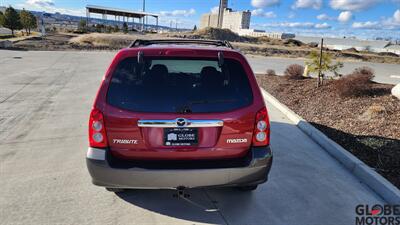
point(180, 136)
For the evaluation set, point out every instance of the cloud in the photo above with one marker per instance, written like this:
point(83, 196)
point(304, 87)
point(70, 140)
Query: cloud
point(303, 25)
point(261, 13)
point(396, 16)
point(301, 4)
point(40, 3)
point(353, 5)
point(264, 3)
point(291, 15)
point(179, 12)
point(392, 23)
point(366, 25)
point(181, 22)
point(325, 17)
point(345, 16)
point(322, 26)
point(50, 6)
point(214, 10)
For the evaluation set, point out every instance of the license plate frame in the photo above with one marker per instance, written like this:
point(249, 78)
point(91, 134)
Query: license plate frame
point(184, 136)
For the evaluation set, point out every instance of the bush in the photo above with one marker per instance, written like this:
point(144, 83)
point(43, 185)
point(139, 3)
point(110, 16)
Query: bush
point(114, 41)
point(355, 84)
point(271, 72)
point(294, 71)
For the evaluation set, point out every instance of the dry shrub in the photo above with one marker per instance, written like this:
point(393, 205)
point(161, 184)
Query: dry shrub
point(220, 34)
point(355, 84)
point(374, 111)
point(104, 40)
point(271, 72)
point(294, 71)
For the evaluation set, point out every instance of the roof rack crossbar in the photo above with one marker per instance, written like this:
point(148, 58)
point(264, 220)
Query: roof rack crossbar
point(143, 42)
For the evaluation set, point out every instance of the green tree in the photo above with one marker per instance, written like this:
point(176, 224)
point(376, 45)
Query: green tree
point(125, 27)
point(25, 18)
point(194, 28)
point(32, 22)
point(1, 19)
point(327, 65)
point(82, 25)
point(109, 29)
point(116, 28)
point(99, 28)
point(11, 20)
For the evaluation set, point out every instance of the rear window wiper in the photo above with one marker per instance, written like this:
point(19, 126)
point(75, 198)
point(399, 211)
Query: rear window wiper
point(184, 110)
point(187, 107)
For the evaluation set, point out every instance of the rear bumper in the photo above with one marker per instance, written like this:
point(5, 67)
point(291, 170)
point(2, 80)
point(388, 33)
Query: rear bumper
point(103, 174)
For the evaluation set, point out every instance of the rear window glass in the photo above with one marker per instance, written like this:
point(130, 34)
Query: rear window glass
point(179, 86)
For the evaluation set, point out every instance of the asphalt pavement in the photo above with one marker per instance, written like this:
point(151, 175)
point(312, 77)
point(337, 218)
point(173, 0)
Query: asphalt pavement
point(384, 72)
point(45, 100)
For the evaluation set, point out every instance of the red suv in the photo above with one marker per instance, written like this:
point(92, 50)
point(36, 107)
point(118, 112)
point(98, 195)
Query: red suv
point(179, 113)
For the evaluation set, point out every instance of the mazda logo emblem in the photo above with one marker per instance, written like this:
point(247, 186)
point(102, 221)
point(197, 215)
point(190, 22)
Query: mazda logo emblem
point(181, 122)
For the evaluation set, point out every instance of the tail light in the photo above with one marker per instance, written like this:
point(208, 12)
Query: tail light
point(97, 132)
point(261, 129)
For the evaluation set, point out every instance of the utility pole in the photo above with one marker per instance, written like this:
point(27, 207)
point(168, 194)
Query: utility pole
point(144, 10)
point(320, 64)
point(222, 5)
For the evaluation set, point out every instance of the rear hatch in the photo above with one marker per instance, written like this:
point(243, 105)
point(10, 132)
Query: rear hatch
point(179, 108)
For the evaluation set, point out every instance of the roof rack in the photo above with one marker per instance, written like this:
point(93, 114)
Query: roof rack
point(143, 42)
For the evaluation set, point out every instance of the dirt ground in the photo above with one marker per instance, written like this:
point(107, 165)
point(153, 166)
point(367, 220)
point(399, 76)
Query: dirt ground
point(367, 126)
point(261, 46)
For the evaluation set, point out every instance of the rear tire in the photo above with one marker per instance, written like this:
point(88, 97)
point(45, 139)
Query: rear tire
point(248, 188)
point(115, 190)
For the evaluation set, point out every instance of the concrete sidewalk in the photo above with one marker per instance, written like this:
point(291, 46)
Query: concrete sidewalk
point(45, 102)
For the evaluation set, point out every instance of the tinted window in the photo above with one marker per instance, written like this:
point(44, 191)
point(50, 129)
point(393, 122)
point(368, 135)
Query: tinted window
point(179, 85)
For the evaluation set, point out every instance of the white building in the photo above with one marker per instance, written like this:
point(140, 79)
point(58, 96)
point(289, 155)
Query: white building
point(262, 33)
point(393, 49)
point(236, 20)
point(348, 43)
point(233, 20)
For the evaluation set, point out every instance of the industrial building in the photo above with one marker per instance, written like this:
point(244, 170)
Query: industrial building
point(262, 33)
point(352, 43)
point(236, 21)
point(226, 18)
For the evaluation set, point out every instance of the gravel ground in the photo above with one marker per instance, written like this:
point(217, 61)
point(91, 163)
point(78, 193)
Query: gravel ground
point(367, 126)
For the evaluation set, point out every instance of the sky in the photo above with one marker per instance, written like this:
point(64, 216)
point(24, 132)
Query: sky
point(366, 19)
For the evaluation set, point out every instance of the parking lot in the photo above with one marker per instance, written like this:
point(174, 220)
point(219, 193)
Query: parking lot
point(45, 100)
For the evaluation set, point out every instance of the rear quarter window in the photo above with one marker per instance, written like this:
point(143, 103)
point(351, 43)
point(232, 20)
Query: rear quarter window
point(179, 86)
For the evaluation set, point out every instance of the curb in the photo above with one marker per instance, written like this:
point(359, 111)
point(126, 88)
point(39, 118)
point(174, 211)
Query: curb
point(386, 190)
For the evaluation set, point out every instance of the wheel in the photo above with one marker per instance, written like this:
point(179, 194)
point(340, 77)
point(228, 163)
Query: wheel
point(115, 190)
point(248, 188)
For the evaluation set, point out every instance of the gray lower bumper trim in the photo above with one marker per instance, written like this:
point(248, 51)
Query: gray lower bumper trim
point(104, 175)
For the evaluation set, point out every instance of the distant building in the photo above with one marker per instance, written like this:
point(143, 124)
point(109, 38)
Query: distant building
point(223, 4)
point(262, 33)
point(393, 49)
point(209, 20)
point(236, 20)
point(353, 43)
point(233, 20)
